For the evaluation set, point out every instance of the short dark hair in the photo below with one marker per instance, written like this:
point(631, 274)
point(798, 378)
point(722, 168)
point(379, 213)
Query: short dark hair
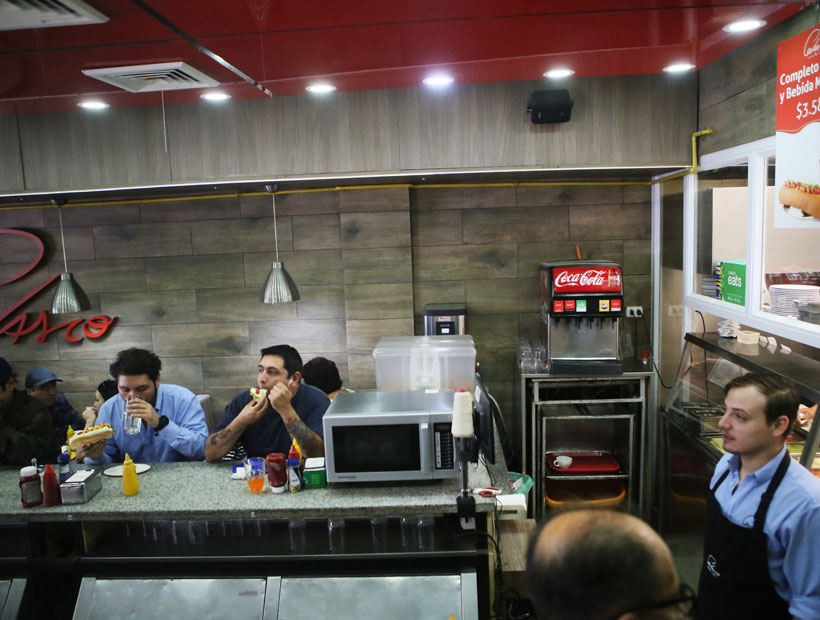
point(136, 361)
point(610, 567)
point(107, 389)
point(322, 373)
point(780, 393)
point(291, 359)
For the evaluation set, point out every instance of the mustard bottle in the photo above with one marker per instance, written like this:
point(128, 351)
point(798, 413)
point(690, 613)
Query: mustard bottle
point(130, 483)
point(68, 435)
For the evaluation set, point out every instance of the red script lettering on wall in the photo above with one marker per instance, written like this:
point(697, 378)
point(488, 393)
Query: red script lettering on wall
point(19, 326)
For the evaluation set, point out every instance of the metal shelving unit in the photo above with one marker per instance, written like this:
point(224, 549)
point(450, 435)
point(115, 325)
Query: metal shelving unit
point(586, 414)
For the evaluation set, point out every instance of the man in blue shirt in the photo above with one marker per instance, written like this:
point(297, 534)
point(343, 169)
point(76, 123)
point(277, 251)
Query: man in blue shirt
point(173, 424)
point(761, 545)
point(41, 384)
point(290, 410)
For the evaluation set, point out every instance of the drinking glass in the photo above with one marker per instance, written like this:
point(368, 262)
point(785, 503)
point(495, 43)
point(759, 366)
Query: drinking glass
point(409, 533)
point(378, 531)
point(426, 525)
point(336, 535)
point(297, 529)
point(130, 424)
point(255, 473)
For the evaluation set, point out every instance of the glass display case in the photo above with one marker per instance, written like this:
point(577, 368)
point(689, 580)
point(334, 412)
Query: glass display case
point(691, 443)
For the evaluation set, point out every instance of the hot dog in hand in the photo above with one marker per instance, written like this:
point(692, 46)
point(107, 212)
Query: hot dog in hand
point(90, 435)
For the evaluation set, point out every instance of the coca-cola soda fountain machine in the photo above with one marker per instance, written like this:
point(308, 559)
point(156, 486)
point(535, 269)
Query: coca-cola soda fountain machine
point(581, 302)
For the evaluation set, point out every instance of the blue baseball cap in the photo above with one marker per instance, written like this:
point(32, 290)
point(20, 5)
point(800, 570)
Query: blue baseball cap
point(5, 371)
point(40, 375)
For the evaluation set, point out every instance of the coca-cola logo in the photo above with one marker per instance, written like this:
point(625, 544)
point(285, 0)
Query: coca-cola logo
point(812, 45)
point(590, 277)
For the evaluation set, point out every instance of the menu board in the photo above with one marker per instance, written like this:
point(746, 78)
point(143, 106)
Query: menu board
point(797, 175)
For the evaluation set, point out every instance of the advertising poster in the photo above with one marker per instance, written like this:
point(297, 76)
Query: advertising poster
point(797, 175)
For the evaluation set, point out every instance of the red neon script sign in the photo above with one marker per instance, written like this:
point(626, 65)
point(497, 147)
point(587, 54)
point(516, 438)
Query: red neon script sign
point(19, 326)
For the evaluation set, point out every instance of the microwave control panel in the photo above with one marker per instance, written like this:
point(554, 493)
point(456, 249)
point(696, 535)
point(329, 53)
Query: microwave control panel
point(445, 448)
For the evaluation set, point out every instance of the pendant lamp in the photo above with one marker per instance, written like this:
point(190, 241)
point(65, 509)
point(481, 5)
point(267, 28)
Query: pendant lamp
point(69, 296)
point(279, 287)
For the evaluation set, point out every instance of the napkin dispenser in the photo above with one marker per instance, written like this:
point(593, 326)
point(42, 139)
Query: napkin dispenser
point(81, 486)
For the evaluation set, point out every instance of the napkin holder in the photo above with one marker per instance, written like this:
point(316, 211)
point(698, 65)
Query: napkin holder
point(81, 487)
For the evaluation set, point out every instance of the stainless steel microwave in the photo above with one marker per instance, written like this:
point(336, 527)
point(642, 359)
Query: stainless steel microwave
point(385, 436)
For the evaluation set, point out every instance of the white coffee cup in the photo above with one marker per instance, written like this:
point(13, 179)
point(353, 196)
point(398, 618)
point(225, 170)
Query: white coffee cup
point(562, 462)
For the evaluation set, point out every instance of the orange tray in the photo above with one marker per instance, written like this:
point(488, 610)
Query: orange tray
point(585, 494)
point(585, 463)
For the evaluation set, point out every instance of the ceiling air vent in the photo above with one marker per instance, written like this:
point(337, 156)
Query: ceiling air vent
point(147, 78)
point(25, 14)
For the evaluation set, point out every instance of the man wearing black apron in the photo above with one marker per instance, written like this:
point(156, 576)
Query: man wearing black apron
point(763, 512)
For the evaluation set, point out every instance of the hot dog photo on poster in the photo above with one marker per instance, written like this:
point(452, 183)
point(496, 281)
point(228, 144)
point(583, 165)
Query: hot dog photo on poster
point(797, 170)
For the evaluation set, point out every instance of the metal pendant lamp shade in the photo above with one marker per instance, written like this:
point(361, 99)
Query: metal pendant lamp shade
point(279, 287)
point(69, 296)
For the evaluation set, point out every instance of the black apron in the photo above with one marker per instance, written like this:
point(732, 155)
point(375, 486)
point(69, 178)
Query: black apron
point(734, 579)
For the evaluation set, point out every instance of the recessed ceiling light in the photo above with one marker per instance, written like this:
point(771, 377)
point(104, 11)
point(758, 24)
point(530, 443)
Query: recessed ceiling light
point(320, 88)
point(557, 74)
point(93, 104)
point(744, 25)
point(215, 96)
point(438, 80)
point(679, 67)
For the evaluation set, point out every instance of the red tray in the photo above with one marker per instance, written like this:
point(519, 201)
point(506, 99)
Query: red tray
point(585, 463)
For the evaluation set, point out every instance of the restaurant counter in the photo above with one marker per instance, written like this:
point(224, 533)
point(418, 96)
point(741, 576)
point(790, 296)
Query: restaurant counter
point(192, 521)
point(206, 491)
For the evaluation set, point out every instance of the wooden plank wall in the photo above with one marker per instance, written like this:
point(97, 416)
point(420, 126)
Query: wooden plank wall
point(183, 276)
point(616, 121)
point(737, 92)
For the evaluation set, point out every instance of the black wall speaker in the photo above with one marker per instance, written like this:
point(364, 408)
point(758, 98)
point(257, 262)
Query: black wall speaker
point(550, 106)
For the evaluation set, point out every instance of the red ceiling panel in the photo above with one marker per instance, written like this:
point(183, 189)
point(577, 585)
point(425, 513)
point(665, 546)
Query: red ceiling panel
point(368, 44)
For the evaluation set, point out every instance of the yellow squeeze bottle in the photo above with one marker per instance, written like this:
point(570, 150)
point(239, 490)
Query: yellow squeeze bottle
point(130, 483)
point(68, 435)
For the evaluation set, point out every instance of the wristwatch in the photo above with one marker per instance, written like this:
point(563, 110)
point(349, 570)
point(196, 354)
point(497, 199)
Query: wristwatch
point(163, 422)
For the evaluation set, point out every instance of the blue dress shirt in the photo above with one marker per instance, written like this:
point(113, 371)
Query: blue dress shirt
point(182, 440)
point(791, 526)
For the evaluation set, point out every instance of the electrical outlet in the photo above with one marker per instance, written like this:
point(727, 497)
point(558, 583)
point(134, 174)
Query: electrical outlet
point(634, 311)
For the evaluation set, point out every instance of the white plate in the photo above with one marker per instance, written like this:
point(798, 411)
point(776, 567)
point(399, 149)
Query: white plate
point(116, 471)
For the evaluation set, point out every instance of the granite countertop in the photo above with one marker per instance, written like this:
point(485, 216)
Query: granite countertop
point(206, 490)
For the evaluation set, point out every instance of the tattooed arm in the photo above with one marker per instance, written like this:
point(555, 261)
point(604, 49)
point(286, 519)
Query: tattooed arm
point(310, 442)
point(218, 444)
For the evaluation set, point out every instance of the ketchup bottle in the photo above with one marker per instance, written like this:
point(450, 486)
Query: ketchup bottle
point(277, 472)
point(51, 488)
point(30, 493)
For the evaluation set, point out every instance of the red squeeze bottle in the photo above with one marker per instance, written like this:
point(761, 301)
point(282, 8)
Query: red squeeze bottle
point(51, 488)
point(277, 472)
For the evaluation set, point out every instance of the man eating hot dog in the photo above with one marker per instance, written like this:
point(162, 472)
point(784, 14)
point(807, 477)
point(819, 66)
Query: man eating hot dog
point(287, 410)
point(172, 425)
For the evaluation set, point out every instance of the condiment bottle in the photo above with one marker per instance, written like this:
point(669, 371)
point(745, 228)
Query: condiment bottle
point(130, 483)
point(68, 435)
point(30, 492)
point(294, 479)
point(64, 470)
point(277, 472)
point(51, 488)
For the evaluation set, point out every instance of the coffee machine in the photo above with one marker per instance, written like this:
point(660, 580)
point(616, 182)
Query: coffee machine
point(581, 302)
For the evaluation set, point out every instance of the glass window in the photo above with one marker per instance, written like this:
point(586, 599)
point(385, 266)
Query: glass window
point(720, 243)
point(791, 258)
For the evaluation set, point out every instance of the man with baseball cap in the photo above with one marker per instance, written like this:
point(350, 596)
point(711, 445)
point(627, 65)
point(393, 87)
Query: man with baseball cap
point(41, 384)
point(25, 425)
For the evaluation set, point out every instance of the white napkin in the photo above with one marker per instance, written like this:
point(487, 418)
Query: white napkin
point(728, 329)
